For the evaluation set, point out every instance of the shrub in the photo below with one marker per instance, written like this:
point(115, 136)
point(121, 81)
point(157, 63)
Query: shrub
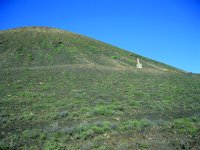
point(113, 126)
point(185, 125)
point(86, 130)
point(26, 134)
point(83, 127)
point(62, 114)
point(134, 104)
point(102, 110)
point(135, 124)
point(51, 145)
point(69, 130)
point(87, 134)
point(30, 56)
point(114, 57)
point(98, 130)
point(4, 145)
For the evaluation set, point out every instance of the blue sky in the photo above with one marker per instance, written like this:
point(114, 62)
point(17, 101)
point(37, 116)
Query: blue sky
point(163, 30)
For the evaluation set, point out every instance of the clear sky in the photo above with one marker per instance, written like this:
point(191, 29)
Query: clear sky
point(163, 30)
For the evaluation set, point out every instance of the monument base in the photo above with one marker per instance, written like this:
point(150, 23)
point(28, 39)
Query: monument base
point(139, 66)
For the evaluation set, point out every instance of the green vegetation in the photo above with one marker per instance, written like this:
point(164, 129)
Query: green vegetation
point(187, 125)
point(114, 57)
point(61, 90)
point(102, 110)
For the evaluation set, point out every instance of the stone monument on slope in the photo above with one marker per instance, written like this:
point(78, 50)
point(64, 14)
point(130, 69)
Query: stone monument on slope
point(138, 65)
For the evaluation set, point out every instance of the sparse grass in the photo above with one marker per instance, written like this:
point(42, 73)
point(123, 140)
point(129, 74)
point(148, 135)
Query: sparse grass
point(79, 106)
point(58, 104)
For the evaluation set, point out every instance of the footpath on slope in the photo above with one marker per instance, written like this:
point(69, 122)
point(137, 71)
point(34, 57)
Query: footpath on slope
point(93, 66)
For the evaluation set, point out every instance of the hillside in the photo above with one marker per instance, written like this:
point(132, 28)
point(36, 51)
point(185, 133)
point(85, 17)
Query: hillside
point(61, 90)
point(44, 46)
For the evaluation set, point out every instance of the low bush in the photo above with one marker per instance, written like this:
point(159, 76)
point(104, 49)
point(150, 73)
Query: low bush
point(102, 110)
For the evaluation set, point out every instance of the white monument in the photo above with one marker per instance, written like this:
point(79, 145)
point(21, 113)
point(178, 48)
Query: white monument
point(138, 65)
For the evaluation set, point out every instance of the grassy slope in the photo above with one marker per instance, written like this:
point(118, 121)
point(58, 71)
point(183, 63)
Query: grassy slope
point(60, 90)
point(48, 46)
